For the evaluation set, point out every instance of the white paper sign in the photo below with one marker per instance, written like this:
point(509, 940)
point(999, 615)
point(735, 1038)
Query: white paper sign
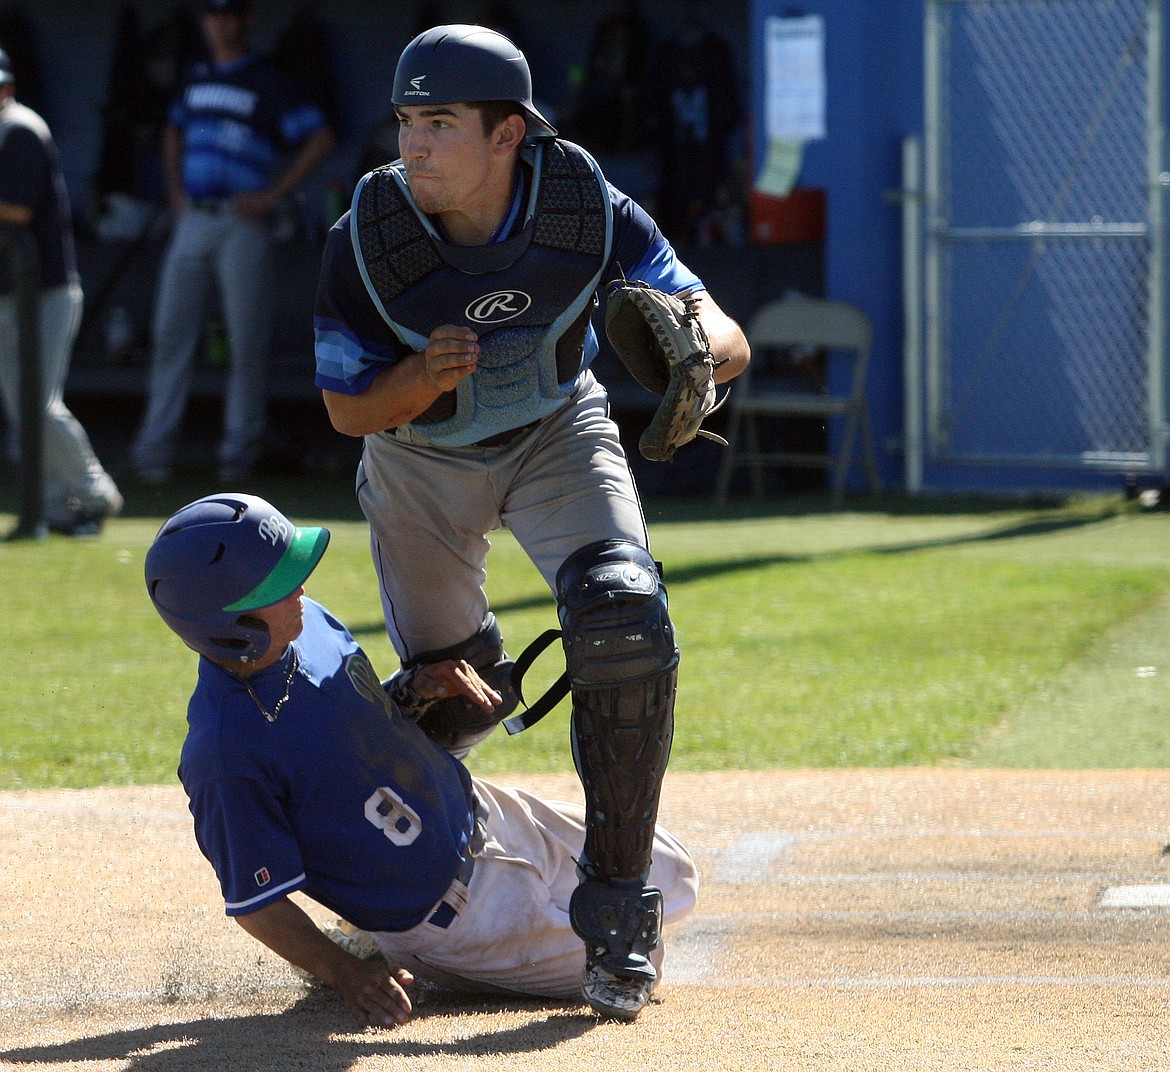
point(795, 73)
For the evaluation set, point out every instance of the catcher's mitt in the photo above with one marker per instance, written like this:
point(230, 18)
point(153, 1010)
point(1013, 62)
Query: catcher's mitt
point(660, 340)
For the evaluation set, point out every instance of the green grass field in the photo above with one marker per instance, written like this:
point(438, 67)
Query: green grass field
point(906, 632)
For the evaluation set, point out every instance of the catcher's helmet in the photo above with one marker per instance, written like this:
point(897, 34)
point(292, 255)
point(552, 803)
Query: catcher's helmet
point(220, 557)
point(449, 64)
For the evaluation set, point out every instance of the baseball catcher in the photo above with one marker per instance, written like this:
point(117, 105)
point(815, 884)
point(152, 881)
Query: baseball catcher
point(661, 340)
point(455, 335)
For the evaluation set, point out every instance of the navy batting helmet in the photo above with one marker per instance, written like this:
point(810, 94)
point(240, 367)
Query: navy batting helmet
point(450, 64)
point(220, 557)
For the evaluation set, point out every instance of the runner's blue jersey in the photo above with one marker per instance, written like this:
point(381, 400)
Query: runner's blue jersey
point(341, 797)
point(354, 344)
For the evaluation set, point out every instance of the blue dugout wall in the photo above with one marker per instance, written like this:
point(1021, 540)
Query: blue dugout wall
point(874, 67)
point(873, 73)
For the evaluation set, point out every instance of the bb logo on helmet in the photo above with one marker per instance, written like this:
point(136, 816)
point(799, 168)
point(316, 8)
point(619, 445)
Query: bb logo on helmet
point(274, 530)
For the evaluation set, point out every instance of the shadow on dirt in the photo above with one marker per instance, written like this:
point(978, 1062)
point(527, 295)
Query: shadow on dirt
point(316, 1034)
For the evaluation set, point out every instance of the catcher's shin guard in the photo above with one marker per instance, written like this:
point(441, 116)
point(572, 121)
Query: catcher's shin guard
point(622, 665)
point(455, 723)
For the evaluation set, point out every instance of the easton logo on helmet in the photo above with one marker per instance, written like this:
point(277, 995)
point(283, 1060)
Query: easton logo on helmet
point(498, 306)
point(416, 89)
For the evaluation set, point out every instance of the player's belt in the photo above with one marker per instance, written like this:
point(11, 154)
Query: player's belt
point(502, 439)
point(455, 898)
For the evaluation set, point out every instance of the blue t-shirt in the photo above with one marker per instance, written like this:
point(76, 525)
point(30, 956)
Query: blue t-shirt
point(236, 120)
point(354, 344)
point(340, 797)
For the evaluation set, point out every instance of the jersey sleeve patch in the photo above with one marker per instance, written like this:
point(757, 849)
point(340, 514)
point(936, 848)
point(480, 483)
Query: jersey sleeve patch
point(252, 904)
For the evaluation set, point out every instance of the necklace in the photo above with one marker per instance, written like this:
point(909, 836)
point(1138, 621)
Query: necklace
point(271, 715)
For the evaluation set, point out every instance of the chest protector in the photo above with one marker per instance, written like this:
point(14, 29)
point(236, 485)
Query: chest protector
point(528, 298)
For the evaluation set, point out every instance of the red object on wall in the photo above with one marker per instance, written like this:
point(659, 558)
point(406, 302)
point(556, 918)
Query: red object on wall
point(796, 219)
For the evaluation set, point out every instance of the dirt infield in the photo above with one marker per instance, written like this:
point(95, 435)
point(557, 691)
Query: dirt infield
point(849, 920)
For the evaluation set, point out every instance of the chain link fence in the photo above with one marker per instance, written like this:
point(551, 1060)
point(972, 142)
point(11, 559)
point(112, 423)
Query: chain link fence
point(1043, 240)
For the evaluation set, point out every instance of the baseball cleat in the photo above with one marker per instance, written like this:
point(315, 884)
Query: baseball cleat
point(616, 997)
point(621, 923)
point(81, 524)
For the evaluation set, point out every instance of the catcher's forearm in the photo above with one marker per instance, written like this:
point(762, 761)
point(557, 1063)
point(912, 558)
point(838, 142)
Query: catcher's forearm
point(396, 397)
point(729, 345)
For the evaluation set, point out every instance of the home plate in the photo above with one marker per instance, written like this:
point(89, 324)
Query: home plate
point(1156, 895)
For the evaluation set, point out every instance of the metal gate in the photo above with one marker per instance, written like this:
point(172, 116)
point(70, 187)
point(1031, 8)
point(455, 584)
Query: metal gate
point(1040, 222)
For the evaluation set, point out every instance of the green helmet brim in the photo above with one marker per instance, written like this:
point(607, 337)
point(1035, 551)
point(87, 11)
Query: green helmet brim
point(300, 558)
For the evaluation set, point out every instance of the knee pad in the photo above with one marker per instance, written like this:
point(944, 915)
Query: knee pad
point(623, 668)
point(454, 722)
point(614, 618)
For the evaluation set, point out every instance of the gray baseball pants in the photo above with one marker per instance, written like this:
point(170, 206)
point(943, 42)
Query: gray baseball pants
point(74, 478)
point(210, 249)
point(562, 486)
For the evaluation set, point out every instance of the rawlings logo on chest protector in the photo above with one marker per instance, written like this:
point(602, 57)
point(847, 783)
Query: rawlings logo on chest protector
point(498, 306)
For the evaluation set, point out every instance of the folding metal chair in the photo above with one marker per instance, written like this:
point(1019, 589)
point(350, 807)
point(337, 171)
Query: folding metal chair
point(801, 326)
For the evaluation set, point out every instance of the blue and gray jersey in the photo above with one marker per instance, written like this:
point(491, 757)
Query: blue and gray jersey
point(236, 120)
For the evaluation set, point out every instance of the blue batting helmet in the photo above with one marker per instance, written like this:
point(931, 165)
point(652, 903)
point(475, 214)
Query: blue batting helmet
point(449, 64)
point(219, 558)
